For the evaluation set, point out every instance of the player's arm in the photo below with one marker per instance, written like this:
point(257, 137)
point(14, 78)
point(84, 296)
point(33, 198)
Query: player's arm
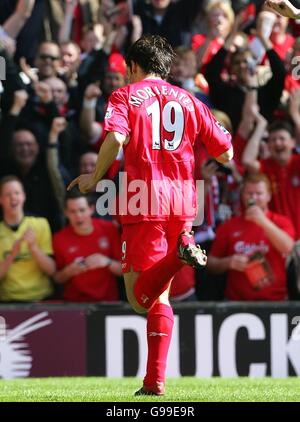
point(108, 152)
point(226, 156)
point(284, 8)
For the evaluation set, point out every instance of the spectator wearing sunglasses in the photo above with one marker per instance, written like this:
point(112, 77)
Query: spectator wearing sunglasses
point(47, 60)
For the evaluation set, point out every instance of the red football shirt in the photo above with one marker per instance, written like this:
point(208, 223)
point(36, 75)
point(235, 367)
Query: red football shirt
point(284, 47)
point(162, 123)
point(239, 236)
point(214, 46)
point(285, 183)
point(93, 285)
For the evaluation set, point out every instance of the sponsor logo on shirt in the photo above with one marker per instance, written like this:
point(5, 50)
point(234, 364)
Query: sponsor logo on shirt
point(72, 249)
point(248, 248)
point(295, 181)
point(109, 113)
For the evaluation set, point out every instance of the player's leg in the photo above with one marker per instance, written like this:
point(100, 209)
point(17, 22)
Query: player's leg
point(151, 283)
point(153, 247)
point(160, 320)
point(130, 279)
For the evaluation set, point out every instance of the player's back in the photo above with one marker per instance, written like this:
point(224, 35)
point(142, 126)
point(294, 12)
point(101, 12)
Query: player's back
point(163, 127)
point(162, 123)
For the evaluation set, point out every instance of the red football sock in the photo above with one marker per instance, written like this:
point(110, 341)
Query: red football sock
point(152, 282)
point(160, 322)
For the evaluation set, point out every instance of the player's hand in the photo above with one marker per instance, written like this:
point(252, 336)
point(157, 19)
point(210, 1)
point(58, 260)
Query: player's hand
point(238, 262)
point(283, 7)
point(85, 183)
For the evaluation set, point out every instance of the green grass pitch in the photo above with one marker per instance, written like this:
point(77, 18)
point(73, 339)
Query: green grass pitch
point(186, 389)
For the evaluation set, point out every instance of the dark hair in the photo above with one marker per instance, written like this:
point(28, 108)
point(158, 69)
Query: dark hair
point(238, 52)
point(76, 194)
point(9, 178)
point(153, 54)
point(281, 125)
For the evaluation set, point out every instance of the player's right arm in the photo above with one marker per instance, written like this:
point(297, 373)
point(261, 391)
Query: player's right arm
point(226, 156)
point(213, 134)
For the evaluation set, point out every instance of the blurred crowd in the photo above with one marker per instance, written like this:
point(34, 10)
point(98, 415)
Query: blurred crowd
point(63, 60)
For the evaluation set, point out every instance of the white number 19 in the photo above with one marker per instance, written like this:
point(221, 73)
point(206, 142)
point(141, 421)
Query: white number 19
point(173, 125)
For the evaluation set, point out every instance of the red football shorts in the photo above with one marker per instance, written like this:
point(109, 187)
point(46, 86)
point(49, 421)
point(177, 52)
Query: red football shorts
point(147, 242)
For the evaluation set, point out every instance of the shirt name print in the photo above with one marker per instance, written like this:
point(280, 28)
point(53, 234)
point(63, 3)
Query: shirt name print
point(147, 92)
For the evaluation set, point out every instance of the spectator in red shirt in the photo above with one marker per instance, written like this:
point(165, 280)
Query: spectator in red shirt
point(220, 18)
point(87, 252)
point(282, 42)
point(251, 249)
point(282, 169)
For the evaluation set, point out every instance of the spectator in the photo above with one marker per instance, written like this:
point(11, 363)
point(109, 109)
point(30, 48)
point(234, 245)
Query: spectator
point(25, 160)
point(171, 20)
point(21, 21)
point(229, 96)
point(92, 39)
point(87, 162)
point(220, 19)
point(282, 168)
point(281, 40)
point(25, 248)
point(184, 74)
point(251, 249)
point(95, 100)
point(70, 62)
point(47, 60)
point(87, 254)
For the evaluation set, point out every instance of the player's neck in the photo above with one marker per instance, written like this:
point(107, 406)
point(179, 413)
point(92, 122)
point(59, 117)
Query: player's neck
point(151, 76)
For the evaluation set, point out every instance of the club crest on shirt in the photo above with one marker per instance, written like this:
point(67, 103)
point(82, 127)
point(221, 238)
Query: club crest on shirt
point(295, 181)
point(103, 243)
point(222, 127)
point(109, 113)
